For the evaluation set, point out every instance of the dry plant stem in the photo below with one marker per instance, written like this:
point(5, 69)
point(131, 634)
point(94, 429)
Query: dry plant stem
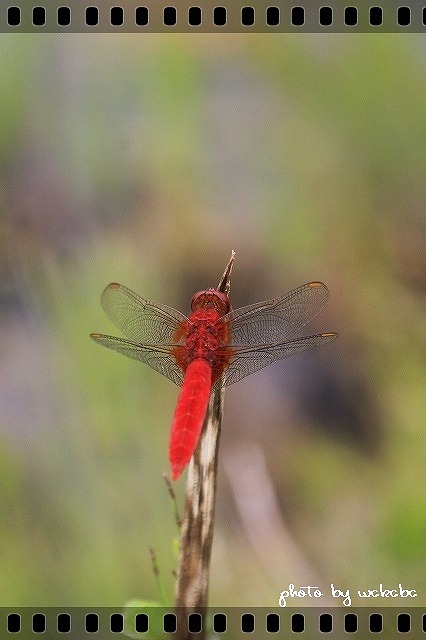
point(172, 495)
point(198, 518)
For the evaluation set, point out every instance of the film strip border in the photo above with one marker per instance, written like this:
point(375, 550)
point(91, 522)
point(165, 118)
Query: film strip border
point(153, 622)
point(210, 16)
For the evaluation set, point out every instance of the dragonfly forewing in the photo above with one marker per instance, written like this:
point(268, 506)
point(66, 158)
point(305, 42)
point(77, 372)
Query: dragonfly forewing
point(273, 321)
point(140, 320)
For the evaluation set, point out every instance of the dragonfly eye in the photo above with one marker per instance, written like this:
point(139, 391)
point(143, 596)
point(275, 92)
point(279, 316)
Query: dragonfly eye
point(211, 298)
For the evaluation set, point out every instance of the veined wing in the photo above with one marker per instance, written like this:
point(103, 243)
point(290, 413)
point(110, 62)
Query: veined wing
point(140, 320)
point(158, 357)
point(246, 360)
point(272, 321)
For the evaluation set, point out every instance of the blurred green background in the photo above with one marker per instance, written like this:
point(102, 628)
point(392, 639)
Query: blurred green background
point(145, 160)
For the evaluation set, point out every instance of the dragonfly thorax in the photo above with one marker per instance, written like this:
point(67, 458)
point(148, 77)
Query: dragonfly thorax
point(206, 336)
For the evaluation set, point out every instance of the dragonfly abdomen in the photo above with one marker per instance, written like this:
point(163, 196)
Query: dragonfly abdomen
point(189, 414)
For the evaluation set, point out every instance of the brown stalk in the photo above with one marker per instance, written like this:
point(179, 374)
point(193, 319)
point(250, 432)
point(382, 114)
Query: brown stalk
point(198, 519)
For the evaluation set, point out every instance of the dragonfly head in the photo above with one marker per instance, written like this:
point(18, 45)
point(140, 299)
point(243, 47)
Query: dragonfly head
point(211, 298)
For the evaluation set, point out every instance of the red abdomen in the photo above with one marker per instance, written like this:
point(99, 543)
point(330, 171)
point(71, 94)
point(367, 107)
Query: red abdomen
point(189, 414)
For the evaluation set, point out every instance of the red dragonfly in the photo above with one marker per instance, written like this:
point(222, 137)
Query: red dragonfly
point(214, 346)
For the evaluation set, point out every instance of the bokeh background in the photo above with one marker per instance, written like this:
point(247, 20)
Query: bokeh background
point(145, 160)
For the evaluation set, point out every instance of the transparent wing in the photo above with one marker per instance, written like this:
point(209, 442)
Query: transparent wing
point(157, 357)
point(247, 360)
point(140, 320)
point(272, 321)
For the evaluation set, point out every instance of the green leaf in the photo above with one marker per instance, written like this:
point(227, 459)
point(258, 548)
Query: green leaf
point(153, 609)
